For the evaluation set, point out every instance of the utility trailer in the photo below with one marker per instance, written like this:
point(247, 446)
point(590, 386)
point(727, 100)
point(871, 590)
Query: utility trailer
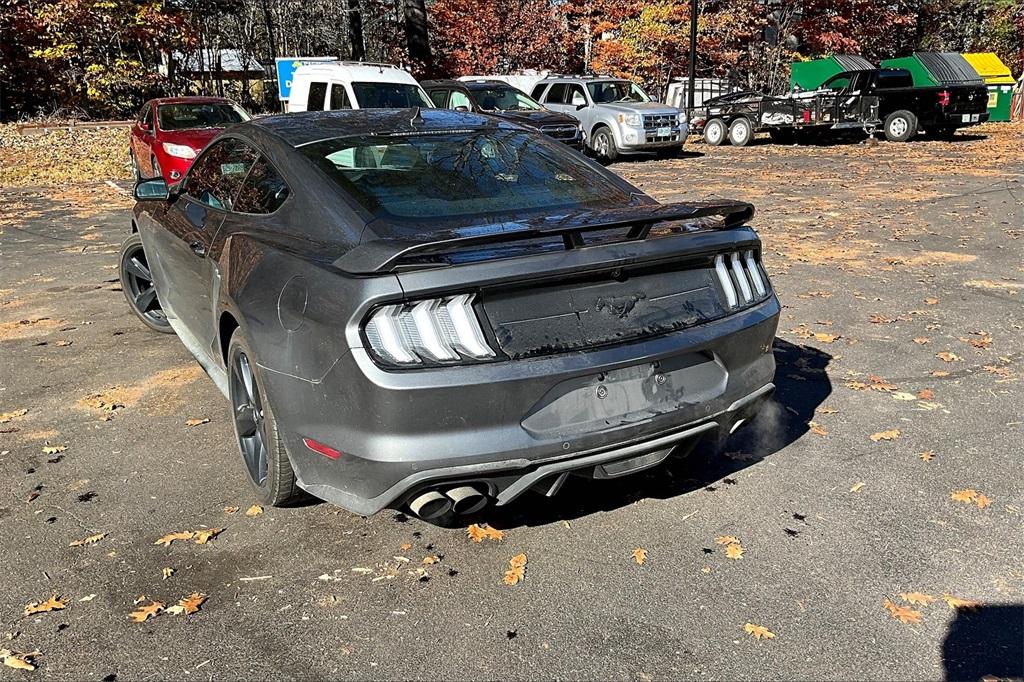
point(736, 117)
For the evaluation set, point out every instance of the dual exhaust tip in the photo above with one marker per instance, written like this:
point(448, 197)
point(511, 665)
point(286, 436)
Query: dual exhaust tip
point(462, 500)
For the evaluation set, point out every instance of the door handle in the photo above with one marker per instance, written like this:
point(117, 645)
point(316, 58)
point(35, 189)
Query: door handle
point(198, 248)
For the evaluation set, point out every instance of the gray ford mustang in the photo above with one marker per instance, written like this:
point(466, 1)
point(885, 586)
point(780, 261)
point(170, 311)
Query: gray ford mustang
point(437, 310)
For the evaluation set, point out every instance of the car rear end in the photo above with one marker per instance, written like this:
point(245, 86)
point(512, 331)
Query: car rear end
point(506, 362)
point(962, 105)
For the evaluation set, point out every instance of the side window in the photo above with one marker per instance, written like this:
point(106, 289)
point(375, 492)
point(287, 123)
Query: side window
point(575, 95)
point(339, 98)
point(215, 177)
point(438, 97)
point(556, 95)
point(838, 83)
point(149, 117)
point(538, 91)
point(459, 99)
point(144, 114)
point(263, 191)
point(317, 94)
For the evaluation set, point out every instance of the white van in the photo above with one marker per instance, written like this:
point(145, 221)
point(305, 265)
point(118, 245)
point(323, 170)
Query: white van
point(327, 86)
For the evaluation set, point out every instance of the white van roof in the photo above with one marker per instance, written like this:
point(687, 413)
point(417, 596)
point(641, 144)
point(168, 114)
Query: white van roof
point(360, 72)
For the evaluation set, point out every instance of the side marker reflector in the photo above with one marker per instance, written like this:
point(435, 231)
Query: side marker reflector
point(321, 449)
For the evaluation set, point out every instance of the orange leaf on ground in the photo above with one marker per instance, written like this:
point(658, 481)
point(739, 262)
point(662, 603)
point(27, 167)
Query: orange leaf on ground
point(825, 338)
point(891, 434)
point(817, 429)
point(856, 487)
point(917, 598)
point(478, 533)
point(18, 661)
point(254, 510)
point(921, 340)
point(91, 540)
point(727, 540)
point(758, 631)
point(205, 535)
point(144, 613)
point(54, 603)
point(982, 501)
point(640, 555)
point(903, 614)
point(956, 603)
point(191, 603)
point(926, 456)
point(967, 495)
point(946, 356)
point(734, 551)
point(516, 571)
point(926, 394)
point(171, 537)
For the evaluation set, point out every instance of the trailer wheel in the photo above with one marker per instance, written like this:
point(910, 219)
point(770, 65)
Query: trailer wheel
point(715, 132)
point(900, 126)
point(740, 132)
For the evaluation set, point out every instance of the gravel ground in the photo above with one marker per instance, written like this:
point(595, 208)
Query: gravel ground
point(901, 273)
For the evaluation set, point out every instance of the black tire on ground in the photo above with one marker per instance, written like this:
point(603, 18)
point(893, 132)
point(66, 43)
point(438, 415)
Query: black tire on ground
point(604, 146)
point(256, 432)
point(138, 285)
point(741, 132)
point(900, 126)
point(715, 132)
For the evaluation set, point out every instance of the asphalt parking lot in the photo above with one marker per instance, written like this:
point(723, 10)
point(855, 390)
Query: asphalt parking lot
point(885, 485)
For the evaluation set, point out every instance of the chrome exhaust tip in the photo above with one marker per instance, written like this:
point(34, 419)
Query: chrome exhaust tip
point(430, 505)
point(467, 499)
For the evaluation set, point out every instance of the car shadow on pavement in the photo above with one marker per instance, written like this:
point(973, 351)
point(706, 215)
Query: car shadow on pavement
point(985, 642)
point(802, 384)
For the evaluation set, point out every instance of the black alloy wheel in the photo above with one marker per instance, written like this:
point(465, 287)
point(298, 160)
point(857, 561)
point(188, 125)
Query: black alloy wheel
point(139, 289)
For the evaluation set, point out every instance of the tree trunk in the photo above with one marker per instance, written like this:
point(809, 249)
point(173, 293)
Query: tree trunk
point(416, 34)
point(355, 28)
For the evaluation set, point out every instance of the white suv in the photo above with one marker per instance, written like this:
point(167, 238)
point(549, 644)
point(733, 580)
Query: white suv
point(327, 86)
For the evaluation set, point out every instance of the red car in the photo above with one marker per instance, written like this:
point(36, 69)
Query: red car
point(171, 131)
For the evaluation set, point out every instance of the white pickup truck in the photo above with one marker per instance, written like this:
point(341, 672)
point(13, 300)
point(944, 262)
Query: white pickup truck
point(326, 86)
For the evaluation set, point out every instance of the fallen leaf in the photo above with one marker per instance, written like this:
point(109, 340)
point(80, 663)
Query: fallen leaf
point(167, 572)
point(921, 340)
point(88, 597)
point(891, 434)
point(254, 510)
point(516, 571)
point(917, 598)
point(956, 603)
point(405, 546)
point(640, 555)
point(817, 429)
point(478, 533)
point(8, 416)
point(880, 384)
point(856, 487)
point(926, 394)
point(946, 356)
point(734, 551)
point(205, 535)
point(926, 456)
point(982, 501)
point(197, 422)
point(18, 661)
point(727, 540)
point(902, 395)
point(931, 301)
point(758, 631)
point(940, 373)
point(825, 338)
point(430, 560)
point(903, 614)
point(144, 613)
point(91, 540)
point(191, 603)
point(171, 537)
point(967, 495)
point(230, 510)
point(54, 603)
point(54, 449)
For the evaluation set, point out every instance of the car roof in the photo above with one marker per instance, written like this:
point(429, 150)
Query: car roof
point(443, 83)
point(190, 100)
point(588, 79)
point(297, 129)
point(359, 71)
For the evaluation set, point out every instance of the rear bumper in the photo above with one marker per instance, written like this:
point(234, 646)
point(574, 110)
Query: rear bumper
point(515, 424)
point(961, 119)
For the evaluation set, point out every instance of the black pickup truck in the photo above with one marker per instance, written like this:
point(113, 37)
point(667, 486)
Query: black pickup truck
point(861, 100)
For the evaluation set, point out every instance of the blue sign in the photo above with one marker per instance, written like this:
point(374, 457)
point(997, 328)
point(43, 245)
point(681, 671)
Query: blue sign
point(286, 69)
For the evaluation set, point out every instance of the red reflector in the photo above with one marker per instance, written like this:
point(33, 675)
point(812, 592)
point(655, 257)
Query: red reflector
point(944, 98)
point(322, 449)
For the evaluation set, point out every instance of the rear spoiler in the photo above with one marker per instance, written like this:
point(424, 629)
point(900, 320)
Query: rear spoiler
point(386, 255)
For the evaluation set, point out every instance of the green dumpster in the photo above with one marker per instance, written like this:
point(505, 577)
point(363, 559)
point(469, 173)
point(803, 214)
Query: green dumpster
point(998, 79)
point(930, 69)
point(811, 74)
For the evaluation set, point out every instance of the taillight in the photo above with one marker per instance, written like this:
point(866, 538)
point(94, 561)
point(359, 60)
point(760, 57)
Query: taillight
point(434, 331)
point(740, 277)
point(943, 96)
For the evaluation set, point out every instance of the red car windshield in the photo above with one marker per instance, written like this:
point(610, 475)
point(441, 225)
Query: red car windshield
point(204, 115)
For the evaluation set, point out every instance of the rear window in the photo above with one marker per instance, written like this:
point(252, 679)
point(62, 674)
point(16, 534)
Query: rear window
point(459, 174)
point(896, 78)
point(389, 96)
point(209, 115)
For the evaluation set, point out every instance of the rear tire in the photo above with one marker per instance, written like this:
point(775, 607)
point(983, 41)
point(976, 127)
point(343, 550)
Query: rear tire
point(604, 145)
point(256, 433)
point(900, 126)
point(715, 132)
point(741, 132)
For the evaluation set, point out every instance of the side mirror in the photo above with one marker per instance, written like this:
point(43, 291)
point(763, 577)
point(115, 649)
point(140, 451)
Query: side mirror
point(152, 190)
point(581, 106)
point(462, 107)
